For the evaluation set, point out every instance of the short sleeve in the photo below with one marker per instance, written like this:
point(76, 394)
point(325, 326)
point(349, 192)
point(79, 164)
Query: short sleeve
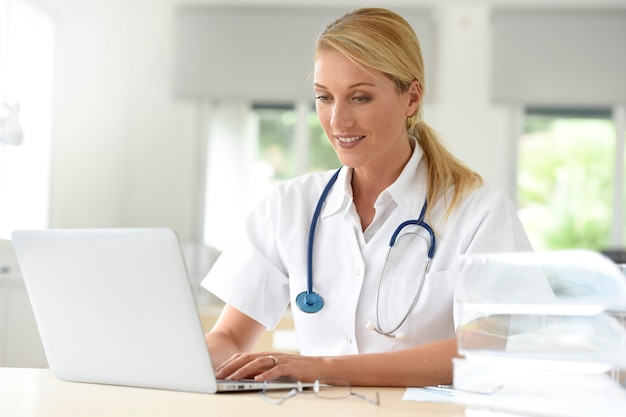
point(249, 275)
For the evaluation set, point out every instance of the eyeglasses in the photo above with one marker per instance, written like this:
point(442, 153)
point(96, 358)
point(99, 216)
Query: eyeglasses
point(330, 389)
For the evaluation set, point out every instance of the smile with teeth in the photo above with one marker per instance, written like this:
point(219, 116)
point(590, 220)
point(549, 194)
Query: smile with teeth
point(349, 139)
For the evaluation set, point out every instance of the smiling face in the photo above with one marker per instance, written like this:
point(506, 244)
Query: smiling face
point(362, 112)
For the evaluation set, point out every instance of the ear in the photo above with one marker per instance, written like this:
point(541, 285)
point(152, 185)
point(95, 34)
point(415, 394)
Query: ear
point(414, 94)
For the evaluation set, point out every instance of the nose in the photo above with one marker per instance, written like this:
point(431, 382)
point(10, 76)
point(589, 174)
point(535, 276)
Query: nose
point(341, 116)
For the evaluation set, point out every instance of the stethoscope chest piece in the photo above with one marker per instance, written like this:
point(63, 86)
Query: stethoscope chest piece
point(309, 302)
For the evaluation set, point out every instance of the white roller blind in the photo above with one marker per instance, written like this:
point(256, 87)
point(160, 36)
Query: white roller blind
point(259, 53)
point(557, 57)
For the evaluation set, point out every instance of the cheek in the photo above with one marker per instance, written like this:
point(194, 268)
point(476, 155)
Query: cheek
point(389, 118)
point(378, 120)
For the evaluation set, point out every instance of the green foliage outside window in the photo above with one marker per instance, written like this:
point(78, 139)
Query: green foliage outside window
point(322, 154)
point(276, 143)
point(277, 146)
point(565, 180)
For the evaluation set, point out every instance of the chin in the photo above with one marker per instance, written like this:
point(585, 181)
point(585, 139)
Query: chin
point(348, 162)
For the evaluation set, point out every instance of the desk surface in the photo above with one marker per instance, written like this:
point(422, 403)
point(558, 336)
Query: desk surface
point(35, 392)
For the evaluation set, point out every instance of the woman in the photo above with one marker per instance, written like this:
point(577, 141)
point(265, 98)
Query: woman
point(358, 316)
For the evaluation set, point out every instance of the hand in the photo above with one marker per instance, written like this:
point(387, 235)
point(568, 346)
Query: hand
point(268, 366)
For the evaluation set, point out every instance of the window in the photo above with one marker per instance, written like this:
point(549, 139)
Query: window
point(252, 149)
point(289, 142)
point(279, 143)
point(26, 78)
point(569, 177)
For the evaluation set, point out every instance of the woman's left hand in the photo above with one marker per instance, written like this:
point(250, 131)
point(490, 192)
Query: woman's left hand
point(268, 366)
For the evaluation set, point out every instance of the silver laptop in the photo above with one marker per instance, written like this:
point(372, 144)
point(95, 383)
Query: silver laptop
point(115, 306)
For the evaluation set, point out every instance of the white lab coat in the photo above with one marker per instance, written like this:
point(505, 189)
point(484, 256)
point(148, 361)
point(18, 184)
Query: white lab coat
point(266, 268)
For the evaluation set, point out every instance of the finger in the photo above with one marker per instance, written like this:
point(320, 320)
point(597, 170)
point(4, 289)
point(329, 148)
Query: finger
point(273, 358)
point(281, 368)
point(281, 371)
point(250, 366)
point(296, 368)
point(231, 365)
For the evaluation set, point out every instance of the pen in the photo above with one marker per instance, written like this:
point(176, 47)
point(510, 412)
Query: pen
point(451, 390)
point(444, 389)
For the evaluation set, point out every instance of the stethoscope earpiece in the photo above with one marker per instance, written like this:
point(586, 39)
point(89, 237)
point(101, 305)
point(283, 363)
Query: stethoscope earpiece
point(371, 326)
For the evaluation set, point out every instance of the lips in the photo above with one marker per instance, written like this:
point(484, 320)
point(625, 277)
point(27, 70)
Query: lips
point(348, 139)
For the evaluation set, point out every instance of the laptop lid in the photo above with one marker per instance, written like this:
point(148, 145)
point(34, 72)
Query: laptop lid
point(115, 306)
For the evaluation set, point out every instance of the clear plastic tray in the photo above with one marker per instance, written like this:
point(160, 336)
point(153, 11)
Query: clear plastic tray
point(542, 306)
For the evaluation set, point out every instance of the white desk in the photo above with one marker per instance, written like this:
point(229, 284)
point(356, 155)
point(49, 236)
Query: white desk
point(35, 392)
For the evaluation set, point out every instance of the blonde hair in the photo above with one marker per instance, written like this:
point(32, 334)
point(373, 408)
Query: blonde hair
point(380, 39)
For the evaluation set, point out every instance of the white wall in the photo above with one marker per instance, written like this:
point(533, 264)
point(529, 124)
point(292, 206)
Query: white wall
point(123, 148)
point(126, 152)
point(474, 129)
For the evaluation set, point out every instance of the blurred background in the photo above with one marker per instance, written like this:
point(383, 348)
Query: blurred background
point(178, 113)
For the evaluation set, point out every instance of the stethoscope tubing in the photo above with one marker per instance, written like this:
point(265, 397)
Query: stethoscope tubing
point(431, 251)
point(311, 302)
point(314, 220)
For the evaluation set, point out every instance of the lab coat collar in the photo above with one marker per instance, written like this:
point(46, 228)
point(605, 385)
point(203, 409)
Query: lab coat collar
point(340, 194)
point(408, 191)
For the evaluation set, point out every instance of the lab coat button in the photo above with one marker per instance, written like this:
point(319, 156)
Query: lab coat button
point(357, 272)
point(349, 339)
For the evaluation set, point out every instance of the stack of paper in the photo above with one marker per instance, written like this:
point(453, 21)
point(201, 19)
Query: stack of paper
point(539, 334)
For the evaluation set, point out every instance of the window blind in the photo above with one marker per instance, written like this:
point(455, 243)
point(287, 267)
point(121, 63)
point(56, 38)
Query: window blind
point(559, 57)
point(259, 53)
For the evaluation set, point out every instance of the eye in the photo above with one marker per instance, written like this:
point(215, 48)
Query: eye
point(321, 98)
point(361, 99)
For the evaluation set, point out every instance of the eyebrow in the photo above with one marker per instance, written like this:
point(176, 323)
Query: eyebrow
point(360, 84)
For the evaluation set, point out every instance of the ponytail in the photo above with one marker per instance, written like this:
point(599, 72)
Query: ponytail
point(444, 169)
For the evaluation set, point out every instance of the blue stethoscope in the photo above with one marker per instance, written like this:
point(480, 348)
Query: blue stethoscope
point(311, 302)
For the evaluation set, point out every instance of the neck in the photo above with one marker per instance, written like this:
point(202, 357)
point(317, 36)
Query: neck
point(369, 181)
